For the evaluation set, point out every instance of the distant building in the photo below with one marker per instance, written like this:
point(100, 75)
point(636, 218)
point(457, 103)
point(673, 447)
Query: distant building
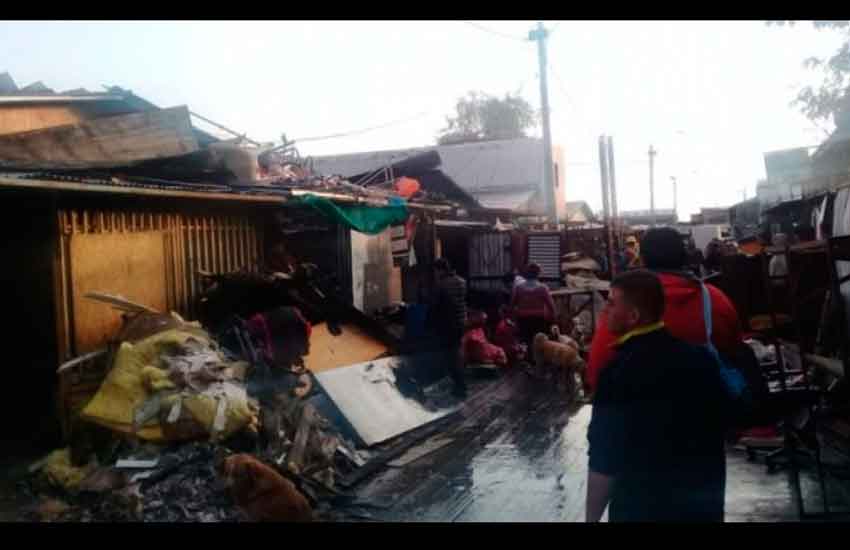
point(662, 216)
point(787, 171)
point(579, 213)
point(711, 216)
point(744, 218)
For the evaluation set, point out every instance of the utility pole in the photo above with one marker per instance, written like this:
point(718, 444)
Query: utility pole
point(540, 34)
point(612, 184)
point(675, 199)
point(606, 212)
point(652, 153)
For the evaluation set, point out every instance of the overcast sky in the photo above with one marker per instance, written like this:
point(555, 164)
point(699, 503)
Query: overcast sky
point(710, 96)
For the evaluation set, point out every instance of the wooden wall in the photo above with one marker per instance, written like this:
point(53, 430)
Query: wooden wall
point(148, 256)
point(25, 118)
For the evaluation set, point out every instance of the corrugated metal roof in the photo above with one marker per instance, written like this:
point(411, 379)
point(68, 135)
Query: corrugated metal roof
point(38, 91)
point(506, 200)
point(497, 173)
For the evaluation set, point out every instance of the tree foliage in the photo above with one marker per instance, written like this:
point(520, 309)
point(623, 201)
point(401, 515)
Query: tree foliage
point(829, 98)
point(482, 117)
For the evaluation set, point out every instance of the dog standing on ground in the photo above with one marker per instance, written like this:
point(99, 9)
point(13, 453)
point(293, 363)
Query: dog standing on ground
point(561, 360)
point(261, 493)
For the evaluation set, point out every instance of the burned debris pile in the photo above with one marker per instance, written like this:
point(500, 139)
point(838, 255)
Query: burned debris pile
point(153, 441)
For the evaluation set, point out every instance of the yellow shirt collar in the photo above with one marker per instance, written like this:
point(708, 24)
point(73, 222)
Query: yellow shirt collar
point(639, 331)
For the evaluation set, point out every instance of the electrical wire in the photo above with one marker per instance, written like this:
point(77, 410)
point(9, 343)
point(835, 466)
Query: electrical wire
point(495, 33)
point(363, 130)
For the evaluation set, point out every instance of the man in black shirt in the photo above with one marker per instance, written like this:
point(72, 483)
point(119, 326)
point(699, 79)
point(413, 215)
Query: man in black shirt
point(657, 433)
point(449, 319)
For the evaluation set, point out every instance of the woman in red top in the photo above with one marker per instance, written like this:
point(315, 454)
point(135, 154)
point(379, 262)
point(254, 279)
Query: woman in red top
point(532, 305)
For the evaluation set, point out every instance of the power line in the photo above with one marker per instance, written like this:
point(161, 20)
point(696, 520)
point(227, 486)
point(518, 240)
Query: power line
point(364, 130)
point(495, 33)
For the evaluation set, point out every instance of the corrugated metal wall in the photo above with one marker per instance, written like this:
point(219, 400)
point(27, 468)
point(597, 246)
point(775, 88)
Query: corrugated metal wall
point(193, 243)
point(545, 249)
point(489, 260)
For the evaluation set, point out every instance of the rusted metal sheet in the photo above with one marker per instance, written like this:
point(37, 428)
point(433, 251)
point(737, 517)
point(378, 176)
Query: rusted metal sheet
point(102, 142)
point(489, 260)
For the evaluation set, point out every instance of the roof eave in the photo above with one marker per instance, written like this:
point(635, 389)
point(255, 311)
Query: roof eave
point(15, 99)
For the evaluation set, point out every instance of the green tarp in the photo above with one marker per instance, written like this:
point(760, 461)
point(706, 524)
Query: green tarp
point(365, 219)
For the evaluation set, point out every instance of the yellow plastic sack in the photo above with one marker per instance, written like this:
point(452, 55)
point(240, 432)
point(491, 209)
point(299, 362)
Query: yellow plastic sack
point(62, 473)
point(124, 390)
point(138, 375)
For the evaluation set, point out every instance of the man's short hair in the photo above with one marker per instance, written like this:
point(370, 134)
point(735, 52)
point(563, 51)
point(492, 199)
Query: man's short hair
point(533, 270)
point(643, 290)
point(663, 248)
point(442, 264)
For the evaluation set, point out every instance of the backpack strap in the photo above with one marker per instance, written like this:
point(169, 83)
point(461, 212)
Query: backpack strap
point(706, 313)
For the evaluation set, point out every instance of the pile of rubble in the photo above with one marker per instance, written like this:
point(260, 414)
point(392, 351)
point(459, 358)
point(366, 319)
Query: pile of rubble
point(152, 444)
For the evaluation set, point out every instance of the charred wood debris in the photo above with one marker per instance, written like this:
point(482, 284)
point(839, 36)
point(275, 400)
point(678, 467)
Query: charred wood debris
point(112, 475)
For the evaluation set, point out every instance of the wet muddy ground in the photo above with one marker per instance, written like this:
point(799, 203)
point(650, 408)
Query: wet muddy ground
point(515, 453)
point(519, 454)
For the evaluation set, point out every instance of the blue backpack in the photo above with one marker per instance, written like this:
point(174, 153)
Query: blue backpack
point(737, 390)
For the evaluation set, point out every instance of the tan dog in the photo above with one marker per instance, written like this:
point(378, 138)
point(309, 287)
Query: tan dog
point(261, 493)
point(559, 359)
point(556, 336)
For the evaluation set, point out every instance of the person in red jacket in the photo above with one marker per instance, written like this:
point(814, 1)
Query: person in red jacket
point(664, 252)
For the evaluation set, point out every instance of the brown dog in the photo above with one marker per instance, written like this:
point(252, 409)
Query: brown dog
point(562, 360)
point(261, 493)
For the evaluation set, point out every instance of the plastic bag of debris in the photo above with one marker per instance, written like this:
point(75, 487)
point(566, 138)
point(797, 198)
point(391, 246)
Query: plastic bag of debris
point(170, 377)
point(60, 472)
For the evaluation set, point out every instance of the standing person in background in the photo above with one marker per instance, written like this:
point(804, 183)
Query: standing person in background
point(695, 257)
point(713, 255)
point(449, 319)
point(533, 305)
point(631, 255)
point(778, 266)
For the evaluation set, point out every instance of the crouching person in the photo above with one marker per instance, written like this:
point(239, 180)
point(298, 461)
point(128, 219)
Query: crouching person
point(657, 432)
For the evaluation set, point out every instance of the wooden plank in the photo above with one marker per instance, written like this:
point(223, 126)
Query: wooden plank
point(102, 142)
point(213, 239)
point(26, 118)
point(129, 264)
point(240, 244)
point(60, 277)
point(330, 352)
point(219, 243)
point(228, 244)
point(252, 247)
point(170, 281)
point(205, 235)
point(192, 259)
